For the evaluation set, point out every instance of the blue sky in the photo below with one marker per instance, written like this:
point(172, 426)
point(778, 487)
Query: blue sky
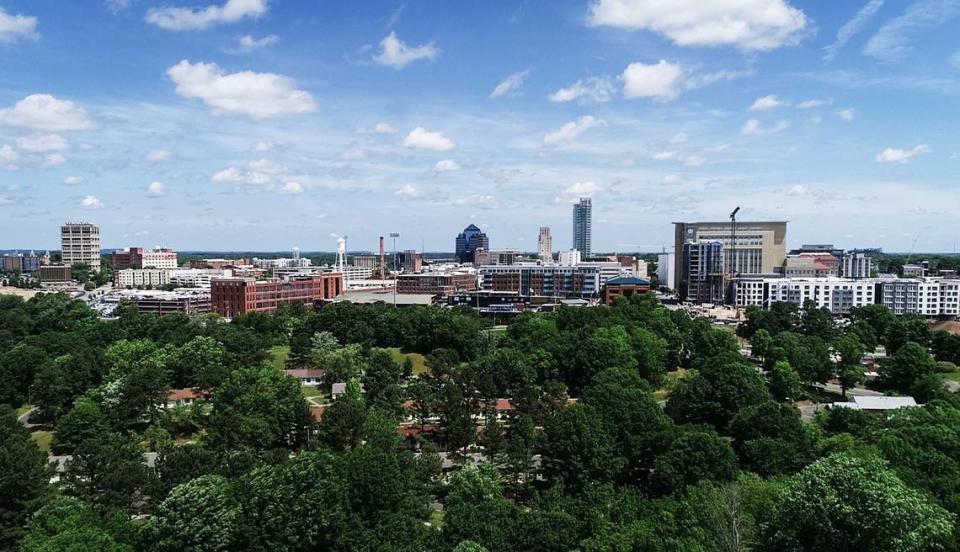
point(265, 124)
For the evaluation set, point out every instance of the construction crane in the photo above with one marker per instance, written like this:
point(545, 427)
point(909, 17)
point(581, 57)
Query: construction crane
point(733, 249)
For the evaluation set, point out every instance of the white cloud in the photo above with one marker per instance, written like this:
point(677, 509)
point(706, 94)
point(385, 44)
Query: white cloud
point(264, 145)
point(408, 191)
point(810, 104)
point(679, 138)
point(594, 89)
point(798, 190)
point(573, 129)
point(39, 143)
point(694, 161)
point(478, 201)
point(754, 128)
point(663, 155)
point(46, 113)
point(267, 166)
point(117, 5)
point(766, 102)
point(746, 24)
point(4, 200)
point(511, 84)
point(353, 153)
point(292, 188)
point(394, 53)
point(847, 114)
point(421, 138)
point(9, 158)
point(262, 172)
point(248, 43)
point(851, 28)
point(54, 160)
point(198, 19)
point(17, 27)
point(892, 155)
point(384, 128)
point(661, 81)
point(446, 165)
point(90, 202)
point(156, 189)
point(72, 180)
point(157, 155)
point(256, 95)
point(573, 192)
point(893, 39)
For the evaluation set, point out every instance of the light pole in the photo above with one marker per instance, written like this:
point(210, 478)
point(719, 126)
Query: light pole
point(396, 274)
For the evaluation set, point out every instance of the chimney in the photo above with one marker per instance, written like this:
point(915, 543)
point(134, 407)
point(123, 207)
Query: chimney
point(383, 264)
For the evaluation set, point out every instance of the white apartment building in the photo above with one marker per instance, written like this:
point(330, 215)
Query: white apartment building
point(299, 262)
point(856, 265)
point(141, 277)
point(912, 296)
point(666, 271)
point(80, 244)
point(158, 258)
point(570, 258)
point(197, 277)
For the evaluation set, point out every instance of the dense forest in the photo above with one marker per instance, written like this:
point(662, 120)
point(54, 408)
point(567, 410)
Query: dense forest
point(625, 428)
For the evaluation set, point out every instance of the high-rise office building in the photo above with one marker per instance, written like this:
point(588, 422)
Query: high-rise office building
point(545, 244)
point(759, 248)
point(469, 241)
point(582, 231)
point(80, 244)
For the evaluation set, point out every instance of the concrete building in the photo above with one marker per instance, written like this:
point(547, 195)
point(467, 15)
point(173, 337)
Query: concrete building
point(912, 296)
point(583, 226)
point(482, 257)
point(666, 270)
point(138, 257)
point(80, 244)
point(283, 262)
point(855, 264)
point(54, 274)
point(545, 245)
point(811, 265)
point(570, 258)
point(219, 264)
point(913, 271)
point(760, 247)
point(141, 277)
point(197, 277)
point(366, 261)
point(838, 295)
point(542, 280)
point(468, 241)
point(168, 302)
point(234, 296)
point(434, 283)
point(704, 272)
point(412, 261)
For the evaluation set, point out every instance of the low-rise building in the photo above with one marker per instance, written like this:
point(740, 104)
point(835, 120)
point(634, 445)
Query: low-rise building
point(54, 273)
point(529, 280)
point(623, 286)
point(138, 257)
point(235, 296)
point(186, 301)
point(436, 283)
point(141, 277)
point(838, 295)
point(307, 377)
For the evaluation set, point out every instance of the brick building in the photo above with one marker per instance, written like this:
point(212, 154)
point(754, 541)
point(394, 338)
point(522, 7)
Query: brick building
point(435, 284)
point(233, 296)
point(624, 286)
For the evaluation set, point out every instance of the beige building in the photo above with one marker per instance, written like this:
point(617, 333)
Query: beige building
point(545, 245)
point(760, 247)
point(80, 243)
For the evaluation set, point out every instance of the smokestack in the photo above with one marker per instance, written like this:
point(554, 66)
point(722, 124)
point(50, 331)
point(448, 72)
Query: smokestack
point(383, 264)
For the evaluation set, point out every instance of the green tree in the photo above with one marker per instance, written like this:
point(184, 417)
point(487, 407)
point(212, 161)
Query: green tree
point(910, 363)
point(202, 515)
point(577, 449)
point(849, 351)
point(692, 457)
point(907, 328)
point(845, 502)
point(201, 363)
point(721, 389)
point(785, 383)
point(23, 478)
point(816, 322)
point(476, 510)
point(760, 343)
point(108, 471)
point(770, 439)
point(67, 523)
point(84, 421)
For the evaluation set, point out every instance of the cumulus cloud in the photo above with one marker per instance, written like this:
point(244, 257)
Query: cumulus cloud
point(90, 202)
point(852, 28)
point(478, 201)
point(14, 28)
point(247, 43)
point(46, 113)
point(421, 138)
point(894, 39)
point(592, 89)
point(256, 95)
point(262, 172)
point(395, 53)
point(39, 143)
point(747, 24)
point(408, 191)
point(893, 155)
point(156, 189)
point(353, 153)
point(511, 84)
point(384, 128)
point(754, 128)
point(117, 5)
point(810, 104)
point(292, 188)
point(847, 114)
point(573, 192)
point(663, 155)
point(679, 138)
point(571, 130)
point(264, 145)
point(158, 155)
point(661, 81)
point(72, 180)
point(446, 165)
point(53, 160)
point(9, 158)
point(766, 102)
point(201, 18)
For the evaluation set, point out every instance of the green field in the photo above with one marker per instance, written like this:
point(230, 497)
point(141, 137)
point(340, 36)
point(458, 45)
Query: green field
point(419, 364)
point(278, 356)
point(43, 439)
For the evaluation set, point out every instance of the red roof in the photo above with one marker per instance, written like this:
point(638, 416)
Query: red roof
point(504, 405)
point(182, 394)
point(317, 412)
point(305, 373)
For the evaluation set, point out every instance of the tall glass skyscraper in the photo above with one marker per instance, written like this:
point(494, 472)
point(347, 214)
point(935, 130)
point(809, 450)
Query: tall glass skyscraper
point(582, 231)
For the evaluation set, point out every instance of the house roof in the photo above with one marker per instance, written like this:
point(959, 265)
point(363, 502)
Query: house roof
point(883, 403)
point(504, 405)
point(317, 412)
point(305, 373)
point(628, 281)
point(182, 394)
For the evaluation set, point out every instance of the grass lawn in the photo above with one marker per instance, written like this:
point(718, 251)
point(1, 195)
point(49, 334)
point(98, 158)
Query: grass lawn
point(671, 380)
point(952, 376)
point(23, 409)
point(316, 392)
point(419, 366)
point(436, 519)
point(278, 356)
point(43, 439)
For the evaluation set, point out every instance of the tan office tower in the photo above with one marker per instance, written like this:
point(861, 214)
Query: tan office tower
point(80, 244)
point(545, 245)
point(760, 247)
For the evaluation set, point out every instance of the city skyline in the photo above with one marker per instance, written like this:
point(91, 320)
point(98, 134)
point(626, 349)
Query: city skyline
point(255, 125)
